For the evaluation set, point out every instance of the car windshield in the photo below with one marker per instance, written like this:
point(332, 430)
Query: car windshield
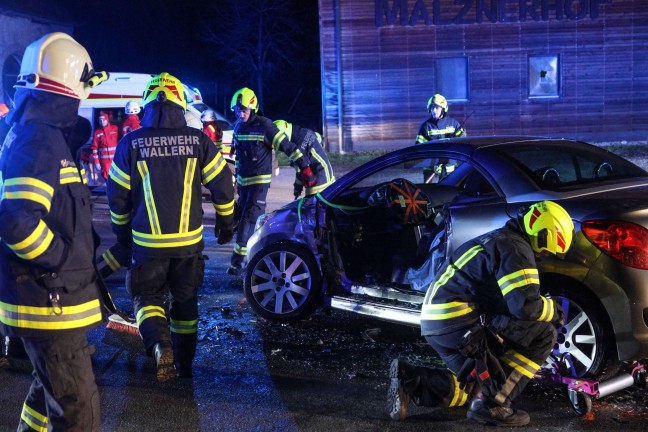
point(557, 166)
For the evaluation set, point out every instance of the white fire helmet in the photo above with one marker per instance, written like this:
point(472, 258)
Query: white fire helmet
point(208, 116)
point(56, 63)
point(132, 107)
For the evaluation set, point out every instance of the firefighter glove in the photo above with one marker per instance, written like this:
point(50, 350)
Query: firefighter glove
point(308, 177)
point(467, 373)
point(223, 235)
point(98, 167)
point(224, 229)
point(487, 368)
point(298, 188)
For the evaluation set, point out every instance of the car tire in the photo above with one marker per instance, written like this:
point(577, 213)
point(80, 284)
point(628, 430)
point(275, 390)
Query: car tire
point(283, 282)
point(581, 348)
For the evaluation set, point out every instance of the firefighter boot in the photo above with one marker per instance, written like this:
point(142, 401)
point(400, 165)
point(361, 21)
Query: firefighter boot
point(163, 353)
point(403, 383)
point(489, 413)
point(184, 351)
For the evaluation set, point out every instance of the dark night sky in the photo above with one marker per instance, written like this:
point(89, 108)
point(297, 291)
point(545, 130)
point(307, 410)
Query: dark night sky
point(166, 35)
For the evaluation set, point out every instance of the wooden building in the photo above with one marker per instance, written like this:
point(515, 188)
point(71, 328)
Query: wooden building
point(572, 68)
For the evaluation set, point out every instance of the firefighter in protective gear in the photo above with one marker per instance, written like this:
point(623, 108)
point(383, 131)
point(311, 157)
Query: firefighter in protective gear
point(253, 139)
point(490, 285)
point(104, 143)
point(309, 143)
point(48, 291)
point(154, 194)
point(438, 126)
point(132, 120)
point(211, 129)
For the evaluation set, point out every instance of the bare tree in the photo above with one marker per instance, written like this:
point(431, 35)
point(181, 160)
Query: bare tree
point(256, 39)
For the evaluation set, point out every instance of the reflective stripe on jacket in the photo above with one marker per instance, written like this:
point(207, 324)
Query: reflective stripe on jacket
point(253, 142)
point(154, 186)
point(431, 129)
point(494, 274)
point(104, 143)
point(47, 274)
point(310, 143)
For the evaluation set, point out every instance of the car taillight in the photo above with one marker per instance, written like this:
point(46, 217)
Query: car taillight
point(626, 242)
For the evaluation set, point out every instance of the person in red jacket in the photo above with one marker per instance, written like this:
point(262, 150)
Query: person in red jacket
point(213, 131)
point(104, 144)
point(132, 121)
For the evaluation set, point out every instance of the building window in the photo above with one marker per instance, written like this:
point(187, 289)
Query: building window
point(452, 78)
point(544, 76)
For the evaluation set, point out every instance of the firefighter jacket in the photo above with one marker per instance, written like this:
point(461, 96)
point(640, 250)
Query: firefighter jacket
point(214, 132)
point(154, 187)
point(130, 123)
point(310, 143)
point(47, 274)
point(493, 274)
point(253, 142)
point(104, 144)
point(433, 129)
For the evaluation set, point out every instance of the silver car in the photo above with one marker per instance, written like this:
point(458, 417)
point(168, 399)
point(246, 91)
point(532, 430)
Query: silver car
point(371, 242)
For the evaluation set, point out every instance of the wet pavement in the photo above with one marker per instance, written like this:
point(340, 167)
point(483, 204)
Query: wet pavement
point(328, 373)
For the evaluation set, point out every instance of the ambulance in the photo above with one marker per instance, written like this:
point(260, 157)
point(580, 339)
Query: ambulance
point(113, 94)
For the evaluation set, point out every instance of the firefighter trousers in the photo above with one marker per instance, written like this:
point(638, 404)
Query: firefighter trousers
point(252, 204)
point(527, 344)
point(150, 280)
point(63, 395)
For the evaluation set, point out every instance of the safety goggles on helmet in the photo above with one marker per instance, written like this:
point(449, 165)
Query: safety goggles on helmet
point(56, 63)
point(549, 228)
point(165, 87)
point(284, 127)
point(245, 98)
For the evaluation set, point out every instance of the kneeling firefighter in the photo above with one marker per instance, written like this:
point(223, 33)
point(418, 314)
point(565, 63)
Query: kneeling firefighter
point(485, 317)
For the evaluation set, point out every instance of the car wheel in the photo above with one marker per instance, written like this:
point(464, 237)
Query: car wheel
point(580, 349)
point(282, 282)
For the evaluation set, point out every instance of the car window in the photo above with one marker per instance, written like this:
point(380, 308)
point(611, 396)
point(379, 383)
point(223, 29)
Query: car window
point(417, 171)
point(554, 165)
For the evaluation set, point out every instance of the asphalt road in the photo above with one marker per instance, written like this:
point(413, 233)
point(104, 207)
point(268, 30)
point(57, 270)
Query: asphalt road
point(329, 373)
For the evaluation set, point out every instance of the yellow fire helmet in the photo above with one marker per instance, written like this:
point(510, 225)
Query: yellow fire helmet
point(438, 100)
point(549, 227)
point(284, 127)
point(165, 87)
point(245, 98)
point(56, 63)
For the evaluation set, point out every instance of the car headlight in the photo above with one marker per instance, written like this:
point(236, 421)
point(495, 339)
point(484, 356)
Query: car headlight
point(261, 220)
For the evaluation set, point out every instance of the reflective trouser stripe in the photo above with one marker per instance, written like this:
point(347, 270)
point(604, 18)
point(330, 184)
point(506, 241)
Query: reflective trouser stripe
point(460, 396)
point(149, 312)
point(183, 327)
point(240, 250)
point(33, 419)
